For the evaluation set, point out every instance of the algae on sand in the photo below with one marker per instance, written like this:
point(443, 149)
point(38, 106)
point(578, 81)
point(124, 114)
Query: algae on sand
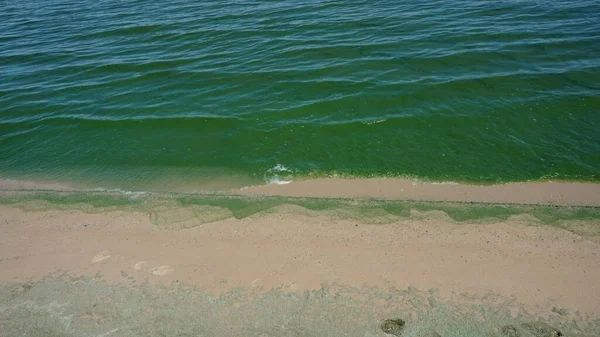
point(62, 306)
point(180, 211)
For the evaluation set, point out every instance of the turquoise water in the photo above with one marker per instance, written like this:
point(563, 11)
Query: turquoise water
point(128, 94)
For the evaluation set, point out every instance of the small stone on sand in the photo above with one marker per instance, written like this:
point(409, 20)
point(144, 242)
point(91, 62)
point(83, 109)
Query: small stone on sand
point(392, 326)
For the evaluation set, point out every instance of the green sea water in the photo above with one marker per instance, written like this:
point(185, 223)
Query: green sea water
point(213, 94)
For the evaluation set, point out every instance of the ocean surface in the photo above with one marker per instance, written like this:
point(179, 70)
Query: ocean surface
point(215, 94)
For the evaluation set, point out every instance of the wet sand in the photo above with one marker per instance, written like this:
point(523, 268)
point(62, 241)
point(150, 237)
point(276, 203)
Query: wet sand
point(548, 192)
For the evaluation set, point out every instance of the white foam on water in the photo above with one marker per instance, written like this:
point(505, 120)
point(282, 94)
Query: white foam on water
point(375, 122)
point(279, 168)
point(443, 183)
point(278, 181)
point(276, 178)
point(132, 194)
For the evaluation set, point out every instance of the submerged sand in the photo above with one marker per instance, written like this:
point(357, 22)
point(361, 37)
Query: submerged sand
point(519, 268)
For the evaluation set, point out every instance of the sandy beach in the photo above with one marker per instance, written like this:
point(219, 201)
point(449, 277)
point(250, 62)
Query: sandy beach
point(520, 268)
point(299, 168)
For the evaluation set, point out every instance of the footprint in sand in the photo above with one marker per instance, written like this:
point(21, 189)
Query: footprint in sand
point(102, 256)
point(139, 265)
point(161, 271)
point(258, 283)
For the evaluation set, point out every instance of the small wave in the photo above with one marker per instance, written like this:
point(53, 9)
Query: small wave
point(130, 194)
point(375, 122)
point(278, 181)
point(442, 183)
point(275, 175)
point(81, 118)
point(279, 168)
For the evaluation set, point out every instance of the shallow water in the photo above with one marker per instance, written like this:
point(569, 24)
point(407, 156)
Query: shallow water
point(152, 95)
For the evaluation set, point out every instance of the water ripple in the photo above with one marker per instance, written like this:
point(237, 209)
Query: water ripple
point(509, 90)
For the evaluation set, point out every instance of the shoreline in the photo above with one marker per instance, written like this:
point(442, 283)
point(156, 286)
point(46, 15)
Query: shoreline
point(548, 193)
point(556, 193)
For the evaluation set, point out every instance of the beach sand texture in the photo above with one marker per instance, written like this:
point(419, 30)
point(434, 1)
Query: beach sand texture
point(289, 270)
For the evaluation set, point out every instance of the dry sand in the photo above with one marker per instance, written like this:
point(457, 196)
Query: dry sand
point(541, 266)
